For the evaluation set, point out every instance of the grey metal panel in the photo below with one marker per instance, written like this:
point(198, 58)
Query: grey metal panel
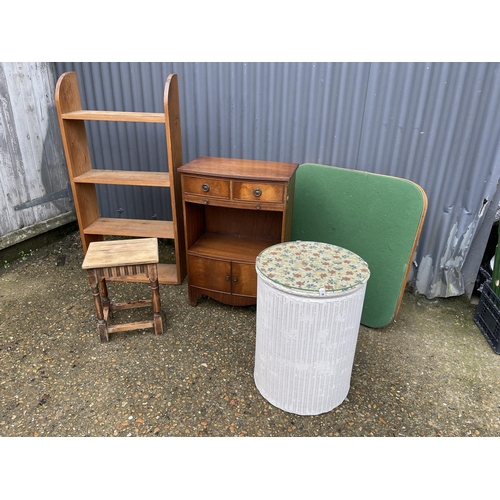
point(433, 123)
point(437, 124)
point(281, 112)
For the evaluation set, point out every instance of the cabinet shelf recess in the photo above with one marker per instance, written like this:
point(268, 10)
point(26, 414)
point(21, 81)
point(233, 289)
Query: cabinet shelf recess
point(230, 247)
point(131, 227)
point(126, 178)
point(115, 116)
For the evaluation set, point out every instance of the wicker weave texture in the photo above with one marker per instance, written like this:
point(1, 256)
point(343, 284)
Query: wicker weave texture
point(305, 347)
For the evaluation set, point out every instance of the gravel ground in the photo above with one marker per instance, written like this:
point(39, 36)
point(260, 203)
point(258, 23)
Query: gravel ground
point(428, 373)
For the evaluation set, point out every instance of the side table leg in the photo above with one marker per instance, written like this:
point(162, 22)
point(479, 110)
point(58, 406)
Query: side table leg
point(155, 297)
point(101, 322)
point(106, 304)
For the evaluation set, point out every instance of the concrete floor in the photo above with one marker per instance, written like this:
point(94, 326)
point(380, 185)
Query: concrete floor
point(429, 373)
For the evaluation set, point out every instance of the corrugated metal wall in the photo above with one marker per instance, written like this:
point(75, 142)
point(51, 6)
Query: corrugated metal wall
point(433, 123)
point(32, 163)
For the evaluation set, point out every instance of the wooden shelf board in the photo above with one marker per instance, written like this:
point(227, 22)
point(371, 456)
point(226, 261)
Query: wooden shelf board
point(228, 247)
point(132, 228)
point(126, 178)
point(115, 116)
point(167, 275)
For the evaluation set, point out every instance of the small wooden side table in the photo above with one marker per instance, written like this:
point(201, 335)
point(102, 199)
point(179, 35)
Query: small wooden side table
point(121, 258)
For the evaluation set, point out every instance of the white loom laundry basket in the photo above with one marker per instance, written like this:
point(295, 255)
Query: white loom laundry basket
point(309, 303)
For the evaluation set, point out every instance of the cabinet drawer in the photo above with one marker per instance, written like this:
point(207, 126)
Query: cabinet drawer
point(258, 191)
point(206, 186)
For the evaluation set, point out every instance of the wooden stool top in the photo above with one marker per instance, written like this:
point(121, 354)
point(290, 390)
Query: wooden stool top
point(121, 253)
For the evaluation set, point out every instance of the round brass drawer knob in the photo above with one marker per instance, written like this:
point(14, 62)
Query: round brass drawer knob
point(257, 192)
point(205, 188)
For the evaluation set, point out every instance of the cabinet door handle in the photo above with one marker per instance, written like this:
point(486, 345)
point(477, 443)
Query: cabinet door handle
point(257, 192)
point(205, 188)
point(235, 279)
point(227, 278)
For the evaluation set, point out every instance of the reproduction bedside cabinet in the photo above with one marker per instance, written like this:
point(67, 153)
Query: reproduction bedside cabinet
point(233, 209)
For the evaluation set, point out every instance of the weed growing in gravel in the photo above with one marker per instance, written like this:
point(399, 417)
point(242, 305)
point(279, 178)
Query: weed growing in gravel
point(25, 255)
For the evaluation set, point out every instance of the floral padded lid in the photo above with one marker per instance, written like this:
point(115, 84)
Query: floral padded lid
point(312, 267)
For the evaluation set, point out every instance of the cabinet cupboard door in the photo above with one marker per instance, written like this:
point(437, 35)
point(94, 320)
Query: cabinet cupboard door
point(244, 279)
point(209, 273)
